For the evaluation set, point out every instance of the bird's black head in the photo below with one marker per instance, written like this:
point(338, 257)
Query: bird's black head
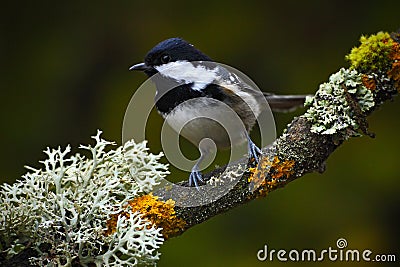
point(170, 50)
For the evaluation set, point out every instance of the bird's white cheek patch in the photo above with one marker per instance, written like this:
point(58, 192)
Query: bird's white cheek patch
point(186, 72)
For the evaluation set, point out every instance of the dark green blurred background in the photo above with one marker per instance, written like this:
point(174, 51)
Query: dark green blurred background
point(64, 74)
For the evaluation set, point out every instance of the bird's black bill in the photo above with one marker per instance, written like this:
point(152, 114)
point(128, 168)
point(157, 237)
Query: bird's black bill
point(139, 66)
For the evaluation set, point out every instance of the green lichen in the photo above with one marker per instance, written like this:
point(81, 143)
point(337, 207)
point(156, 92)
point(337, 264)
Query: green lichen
point(372, 54)
point(330, 111)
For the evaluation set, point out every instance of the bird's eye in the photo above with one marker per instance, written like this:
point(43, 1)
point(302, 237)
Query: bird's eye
point(165, 59)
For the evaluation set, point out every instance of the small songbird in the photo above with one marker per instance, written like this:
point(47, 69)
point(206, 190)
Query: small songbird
point(189, 88)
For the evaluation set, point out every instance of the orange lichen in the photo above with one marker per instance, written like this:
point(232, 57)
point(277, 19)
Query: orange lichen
point(112, 222)
point(369, 82)
point(160, 213)
point(395, 53)
point(280, 169)
point(277, 171)
point(394, 72)
point(258, 174)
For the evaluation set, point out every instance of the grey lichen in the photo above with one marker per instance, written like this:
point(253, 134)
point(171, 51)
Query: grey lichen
point(330, 111)
point(61, 210)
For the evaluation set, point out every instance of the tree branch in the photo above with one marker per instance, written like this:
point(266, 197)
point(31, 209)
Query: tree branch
point(302, 148)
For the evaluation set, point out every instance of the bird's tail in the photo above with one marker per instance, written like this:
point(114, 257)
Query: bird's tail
point(284, 103)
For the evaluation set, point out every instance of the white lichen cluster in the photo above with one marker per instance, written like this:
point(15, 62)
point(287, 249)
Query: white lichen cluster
point(329, 110)
point(229, 177)
point(61, 210)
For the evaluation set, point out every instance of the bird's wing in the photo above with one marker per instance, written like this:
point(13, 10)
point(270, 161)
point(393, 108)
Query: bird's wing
point(284, 103)
point(278, 103)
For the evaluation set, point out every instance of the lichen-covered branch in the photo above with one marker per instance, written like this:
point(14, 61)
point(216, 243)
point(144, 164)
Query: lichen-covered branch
point(80, 211)
point(337, 112)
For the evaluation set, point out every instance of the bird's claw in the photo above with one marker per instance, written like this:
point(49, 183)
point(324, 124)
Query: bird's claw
point(195, 178)
point(254, 151)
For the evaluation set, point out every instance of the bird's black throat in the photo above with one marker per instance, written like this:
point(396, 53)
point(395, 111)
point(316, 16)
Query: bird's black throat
point(168, 97)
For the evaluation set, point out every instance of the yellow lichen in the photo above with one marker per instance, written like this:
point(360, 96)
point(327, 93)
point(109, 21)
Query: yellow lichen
point(373, 52)
point(377, 52)
point(252, 170)
point(160, 213)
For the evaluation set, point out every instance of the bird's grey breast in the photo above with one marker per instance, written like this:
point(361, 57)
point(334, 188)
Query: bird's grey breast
point(204, 117)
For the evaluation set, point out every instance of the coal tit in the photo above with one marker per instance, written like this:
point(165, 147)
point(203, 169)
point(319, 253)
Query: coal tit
point(189, 86)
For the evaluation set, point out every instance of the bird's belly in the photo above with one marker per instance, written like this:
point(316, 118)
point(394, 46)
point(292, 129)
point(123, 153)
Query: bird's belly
point(204, 117)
